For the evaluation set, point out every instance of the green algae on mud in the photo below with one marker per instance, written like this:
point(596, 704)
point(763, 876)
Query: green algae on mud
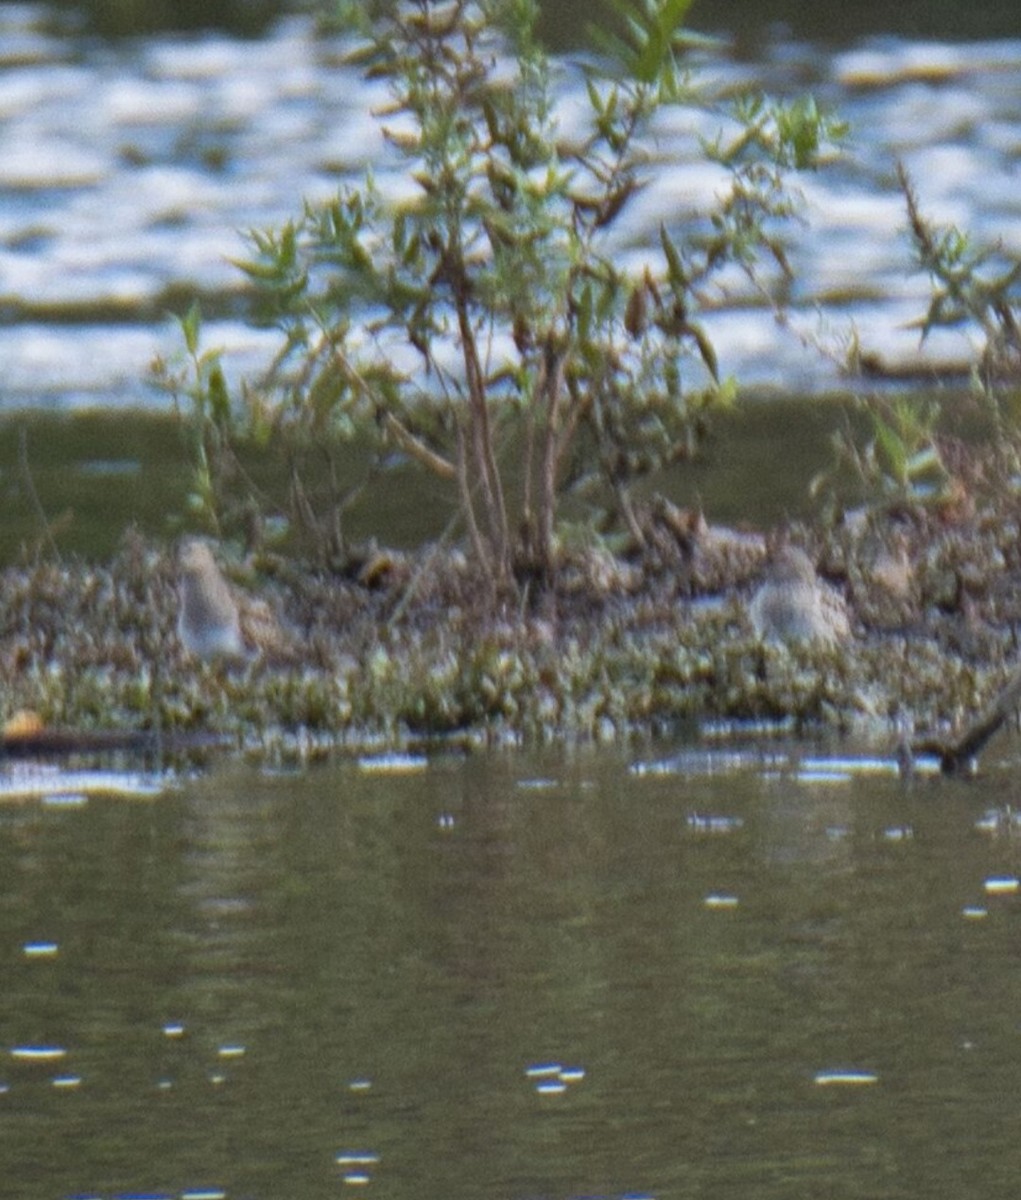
point(414, 648)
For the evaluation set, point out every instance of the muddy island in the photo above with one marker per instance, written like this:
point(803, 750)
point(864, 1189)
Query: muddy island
point(404, 648)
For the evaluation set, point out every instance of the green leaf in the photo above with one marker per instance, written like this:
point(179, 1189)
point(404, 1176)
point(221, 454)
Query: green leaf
point(219, 398)
point(675, 265)
point(892, 446)
point(191, 328)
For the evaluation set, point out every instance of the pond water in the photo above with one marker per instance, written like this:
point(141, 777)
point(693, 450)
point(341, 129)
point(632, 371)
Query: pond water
point(128, 170)
point(596, 974)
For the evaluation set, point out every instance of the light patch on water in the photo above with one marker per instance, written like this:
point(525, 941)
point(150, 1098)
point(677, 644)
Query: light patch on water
point(50, 162)
point(65, 800)
point(889, 61)
point(822, 776)
point(38, 1054)
point(854, 766)
point(774, 764)
point(105, 364)
point(898, 833)
point(724, 729)
point(131, 101)
point(553, 1078)
point(356, 1166)
point(713, 824)
point(392, 764)
point(109, 466)
point(845, 1078)
point(1001, 885)
point(40, 949)
point(71, 787)
point(108, 150)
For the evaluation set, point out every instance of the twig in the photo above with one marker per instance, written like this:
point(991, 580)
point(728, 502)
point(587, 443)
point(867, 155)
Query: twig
point(33, 495)
point(958, 755)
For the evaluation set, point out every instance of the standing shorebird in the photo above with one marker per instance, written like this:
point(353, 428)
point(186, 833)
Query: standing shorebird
point(209, 622)
point(793, 605)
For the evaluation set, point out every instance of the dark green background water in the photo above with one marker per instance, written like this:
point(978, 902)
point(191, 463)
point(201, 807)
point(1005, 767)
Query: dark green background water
point(434, 935)
point(744, 19)
point(77, 482)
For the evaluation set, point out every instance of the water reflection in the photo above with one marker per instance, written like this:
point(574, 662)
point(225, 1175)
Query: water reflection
point(618, 982)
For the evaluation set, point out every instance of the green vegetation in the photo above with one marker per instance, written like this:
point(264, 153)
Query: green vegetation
point(481, 327)
point(904, 457)
point(978, 286)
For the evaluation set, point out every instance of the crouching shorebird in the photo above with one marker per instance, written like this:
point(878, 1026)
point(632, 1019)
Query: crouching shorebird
point(794, 605)
point(209, 621)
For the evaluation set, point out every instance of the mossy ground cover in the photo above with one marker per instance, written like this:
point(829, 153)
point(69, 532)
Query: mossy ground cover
point(406, 647)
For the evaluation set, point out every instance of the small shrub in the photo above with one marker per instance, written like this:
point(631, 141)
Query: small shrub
point(900, 459)
point(482, 327)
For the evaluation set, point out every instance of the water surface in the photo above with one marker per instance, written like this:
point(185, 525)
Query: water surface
point(130, 170)
point(596, 974)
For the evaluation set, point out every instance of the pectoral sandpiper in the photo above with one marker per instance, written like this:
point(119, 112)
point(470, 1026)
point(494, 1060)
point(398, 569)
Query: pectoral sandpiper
point(209, 621)
point(793, 604)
